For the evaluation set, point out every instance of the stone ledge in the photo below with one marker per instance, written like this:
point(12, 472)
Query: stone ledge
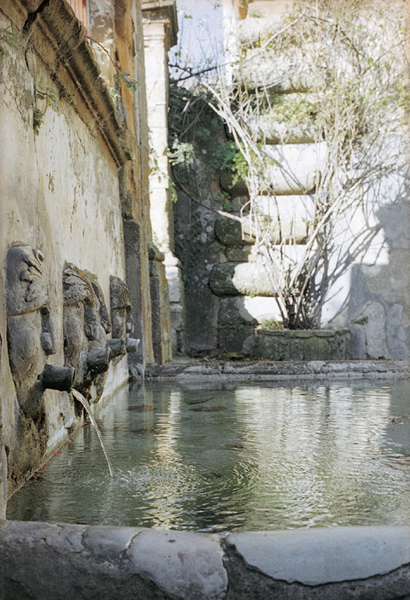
point(319, 556)
point(214, 370)
point(166, 11)
point(44, 561)
point(306, 344)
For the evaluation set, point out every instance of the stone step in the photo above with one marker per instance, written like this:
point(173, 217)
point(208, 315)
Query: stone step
point(292, 169)
point(278, 74)
point(271, 131)
point(252, 310)
point(259, 27)
point(285, 218)
point(257, 277)
point(242, 279)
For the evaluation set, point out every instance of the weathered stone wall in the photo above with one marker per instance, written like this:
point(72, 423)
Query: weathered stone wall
point(74, 187)
point(230, 285)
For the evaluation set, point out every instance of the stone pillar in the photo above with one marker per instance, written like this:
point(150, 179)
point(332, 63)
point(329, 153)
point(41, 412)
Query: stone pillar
point(131, 109)
point(160, 29)
point(161, 338)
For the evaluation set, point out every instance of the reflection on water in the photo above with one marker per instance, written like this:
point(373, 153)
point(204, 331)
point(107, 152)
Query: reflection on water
point(253, 458)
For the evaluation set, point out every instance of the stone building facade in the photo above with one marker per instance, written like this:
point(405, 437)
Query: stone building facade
point(84, 288)
point(228, 291)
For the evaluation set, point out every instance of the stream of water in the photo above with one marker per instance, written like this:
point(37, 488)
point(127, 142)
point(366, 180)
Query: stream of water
point(78, 396)
point(233, 458)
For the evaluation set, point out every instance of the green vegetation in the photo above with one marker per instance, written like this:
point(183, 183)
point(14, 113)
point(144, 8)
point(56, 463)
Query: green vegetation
point(47, 96)
point(197, 133)
point(7, 41)
point(271, 324)
point(120, 76)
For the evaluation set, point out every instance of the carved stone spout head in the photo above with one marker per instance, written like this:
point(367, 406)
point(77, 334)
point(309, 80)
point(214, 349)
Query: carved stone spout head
point(30, 329)
point(86, 324)
point(121, 308)
point(121, 317)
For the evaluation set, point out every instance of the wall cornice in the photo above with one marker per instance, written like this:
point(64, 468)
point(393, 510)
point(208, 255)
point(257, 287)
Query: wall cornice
point(53, 31)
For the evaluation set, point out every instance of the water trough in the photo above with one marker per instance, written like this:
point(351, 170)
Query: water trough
point(44, 560)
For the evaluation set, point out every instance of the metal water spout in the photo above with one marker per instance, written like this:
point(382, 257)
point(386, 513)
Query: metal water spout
point(132, 345)
point(98, 361)
point(57, 378)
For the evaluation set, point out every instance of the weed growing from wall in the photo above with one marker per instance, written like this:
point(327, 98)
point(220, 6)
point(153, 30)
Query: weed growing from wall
point(47, 97)
point(7, 41)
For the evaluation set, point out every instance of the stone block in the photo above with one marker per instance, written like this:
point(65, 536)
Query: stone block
point(283, 218)
point(321, 556)
point(374, 315)
point(358, 342)
point(271, 130)
point(249, 279)
point(286, 218)
point(175, 285)
point(282, 75)
point(235, 338)
point(260, 308)
point(187, 565)
point(240, 204)
point(237, 255)
point(177, 316)
point(306, 345)
point(294, 167)
point(231, 232)
point(238, 189)
point(232, 313)
point(247, 309)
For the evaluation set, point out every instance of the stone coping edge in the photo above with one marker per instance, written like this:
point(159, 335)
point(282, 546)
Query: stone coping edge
point(48, 561)
point(53, 31)
point(277, 370)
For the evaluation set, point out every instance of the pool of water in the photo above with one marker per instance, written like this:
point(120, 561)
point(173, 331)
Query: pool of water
point(234, 457)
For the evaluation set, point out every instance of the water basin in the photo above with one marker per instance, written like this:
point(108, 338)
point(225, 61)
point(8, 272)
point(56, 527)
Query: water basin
point(229, 457)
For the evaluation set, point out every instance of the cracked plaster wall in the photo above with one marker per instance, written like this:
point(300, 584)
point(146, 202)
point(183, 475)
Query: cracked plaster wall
point(60, 193)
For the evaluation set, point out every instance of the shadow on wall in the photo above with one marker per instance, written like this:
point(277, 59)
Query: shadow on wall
point(379, 309)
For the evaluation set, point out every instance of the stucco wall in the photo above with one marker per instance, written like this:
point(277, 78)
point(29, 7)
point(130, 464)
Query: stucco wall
point(60, 195)
point(69, 188)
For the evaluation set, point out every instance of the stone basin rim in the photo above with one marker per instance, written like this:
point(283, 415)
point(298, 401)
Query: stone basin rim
point(199, 566)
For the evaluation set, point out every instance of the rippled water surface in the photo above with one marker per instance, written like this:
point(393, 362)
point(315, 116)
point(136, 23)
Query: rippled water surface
point(234, 457)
